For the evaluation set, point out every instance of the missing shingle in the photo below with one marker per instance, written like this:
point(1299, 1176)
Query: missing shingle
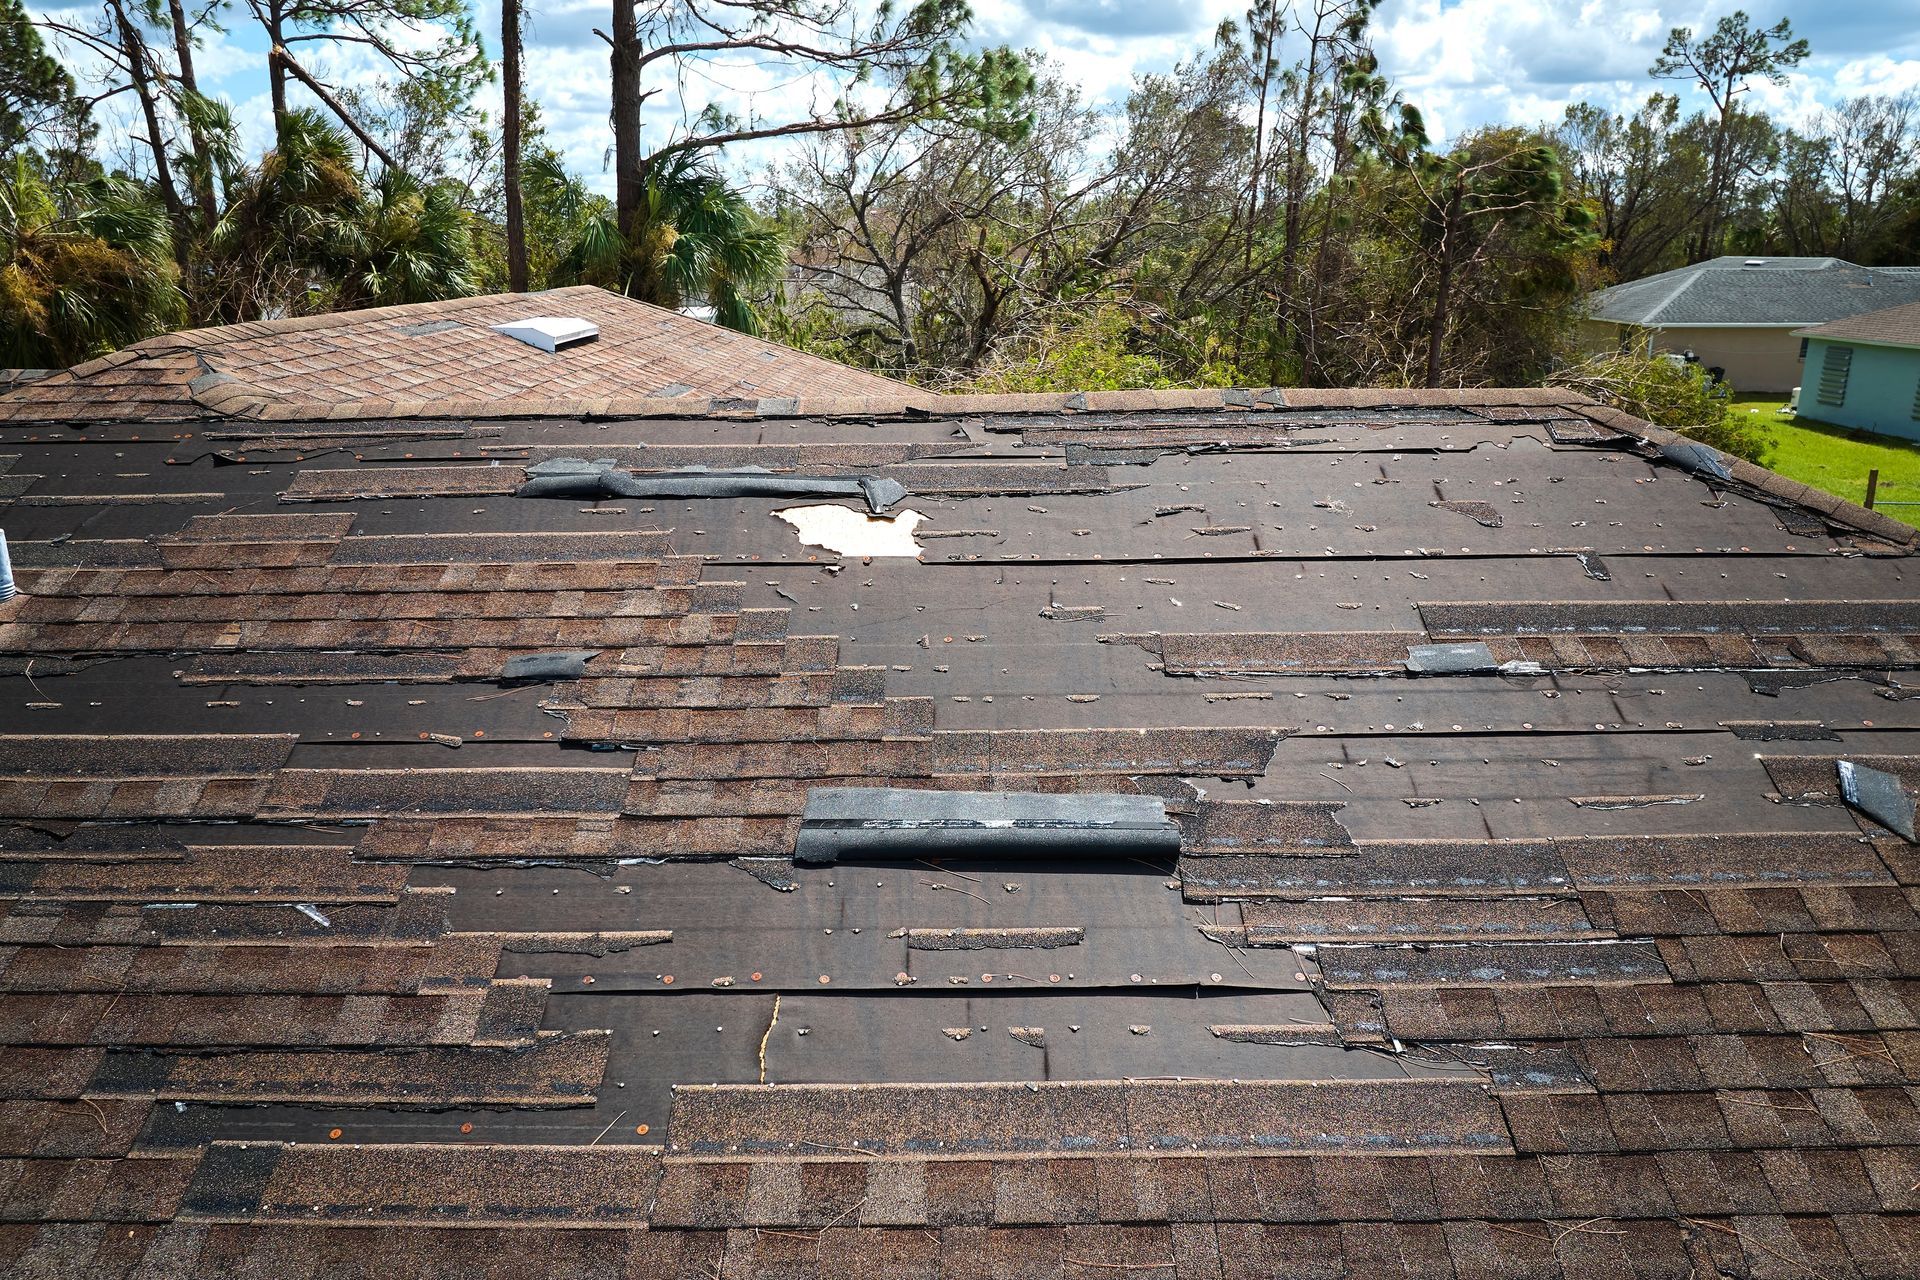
point(426, 327)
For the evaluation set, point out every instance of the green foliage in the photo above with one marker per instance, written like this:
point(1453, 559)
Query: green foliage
point(84, 270)
point(302, 232)
point(1733, 53)
point(1642, 175)
point(401, 242)
point(1838, 459)
point(37, 95)
point(433, 46)
point(1086, 348)
point(698, 239)
point(1667, 393)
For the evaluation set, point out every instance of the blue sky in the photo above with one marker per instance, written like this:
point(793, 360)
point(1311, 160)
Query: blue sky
point(1463, 62)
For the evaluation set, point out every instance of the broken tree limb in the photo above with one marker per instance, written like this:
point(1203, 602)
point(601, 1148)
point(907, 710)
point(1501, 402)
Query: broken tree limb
point(332, 104)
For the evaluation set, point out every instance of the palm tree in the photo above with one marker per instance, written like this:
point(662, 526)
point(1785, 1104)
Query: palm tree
point(301, 232)
point(698, 241)
point(280, 216)
point(402, 242)
point(85, 268)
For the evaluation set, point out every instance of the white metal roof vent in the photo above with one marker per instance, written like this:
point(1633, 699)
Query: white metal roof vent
point(1756, 262)
point(550, 333)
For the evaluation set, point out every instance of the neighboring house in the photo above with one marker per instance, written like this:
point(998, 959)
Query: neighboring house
point(1741, 315)
point(1426, 854)
point(1864, 372)
point(415, 357)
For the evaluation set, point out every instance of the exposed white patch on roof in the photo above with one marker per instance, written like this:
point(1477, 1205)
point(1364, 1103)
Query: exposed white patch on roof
point(847, 532)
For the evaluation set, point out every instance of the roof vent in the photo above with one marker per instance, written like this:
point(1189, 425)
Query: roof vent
point(1756, 262)
point(550, 333)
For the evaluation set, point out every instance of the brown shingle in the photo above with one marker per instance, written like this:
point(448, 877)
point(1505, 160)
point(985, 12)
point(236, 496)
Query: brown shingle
point(1738, 1054)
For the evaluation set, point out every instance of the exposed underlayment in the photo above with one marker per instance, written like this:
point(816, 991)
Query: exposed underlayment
point(1205, 835)
point(847, 532)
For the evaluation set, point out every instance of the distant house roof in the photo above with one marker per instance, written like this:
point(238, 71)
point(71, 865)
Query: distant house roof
point(1756, 291)
point(433, 355)
point(1893, 327)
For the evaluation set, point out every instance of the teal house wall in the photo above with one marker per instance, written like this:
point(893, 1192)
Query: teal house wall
point(1878, 387)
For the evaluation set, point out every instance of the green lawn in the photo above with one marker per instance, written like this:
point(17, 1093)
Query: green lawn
point(1837, 459)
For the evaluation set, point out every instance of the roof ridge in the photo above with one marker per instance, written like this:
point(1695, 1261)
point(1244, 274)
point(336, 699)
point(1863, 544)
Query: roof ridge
point(224, 334)
point(916, 400)
point(1687, 280)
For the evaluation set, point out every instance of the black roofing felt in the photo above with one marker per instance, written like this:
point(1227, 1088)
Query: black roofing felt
point(1465, 881)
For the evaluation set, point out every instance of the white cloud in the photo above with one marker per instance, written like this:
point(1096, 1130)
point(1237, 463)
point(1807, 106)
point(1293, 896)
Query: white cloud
point(1463, 62)
point(1878, 74)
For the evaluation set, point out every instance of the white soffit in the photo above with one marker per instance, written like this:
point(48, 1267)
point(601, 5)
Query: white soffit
point(550, 333)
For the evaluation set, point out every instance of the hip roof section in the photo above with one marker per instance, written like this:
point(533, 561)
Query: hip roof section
point(1894, 327)
point(401, 360)
point(1756, 291)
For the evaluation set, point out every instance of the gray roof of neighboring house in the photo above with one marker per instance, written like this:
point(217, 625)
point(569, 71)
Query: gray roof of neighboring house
point(1894, 327)
point(1750, 291)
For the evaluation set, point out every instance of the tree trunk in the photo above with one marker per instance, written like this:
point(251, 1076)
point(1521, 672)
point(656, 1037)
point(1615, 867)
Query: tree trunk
point(189, 83)
point(1263, 44)
point(510, 164)
point(276, 69)
point(1443, 289)
point(1340, 156)
point(1708, 243)
point(1296, 195)
point(629, 176)
point(135, 50)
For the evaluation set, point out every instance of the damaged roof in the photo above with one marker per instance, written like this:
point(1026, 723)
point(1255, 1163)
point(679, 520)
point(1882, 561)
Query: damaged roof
point(1334, 833)
point(430, 357)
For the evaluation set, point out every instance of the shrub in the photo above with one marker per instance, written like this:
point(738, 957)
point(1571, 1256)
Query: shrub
point(1670, 394)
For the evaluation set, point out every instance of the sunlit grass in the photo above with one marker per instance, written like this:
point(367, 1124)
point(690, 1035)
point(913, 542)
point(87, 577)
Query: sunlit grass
point(1837, 459)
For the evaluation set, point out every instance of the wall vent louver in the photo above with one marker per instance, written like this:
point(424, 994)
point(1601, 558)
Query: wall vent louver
point(1834, 371)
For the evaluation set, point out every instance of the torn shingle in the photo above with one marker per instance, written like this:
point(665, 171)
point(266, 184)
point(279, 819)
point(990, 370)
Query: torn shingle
point(579, 479)
point(1470, 658)
point(882, 821)
point(1043, 939)
point(544, 668)
point(1881, 796)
